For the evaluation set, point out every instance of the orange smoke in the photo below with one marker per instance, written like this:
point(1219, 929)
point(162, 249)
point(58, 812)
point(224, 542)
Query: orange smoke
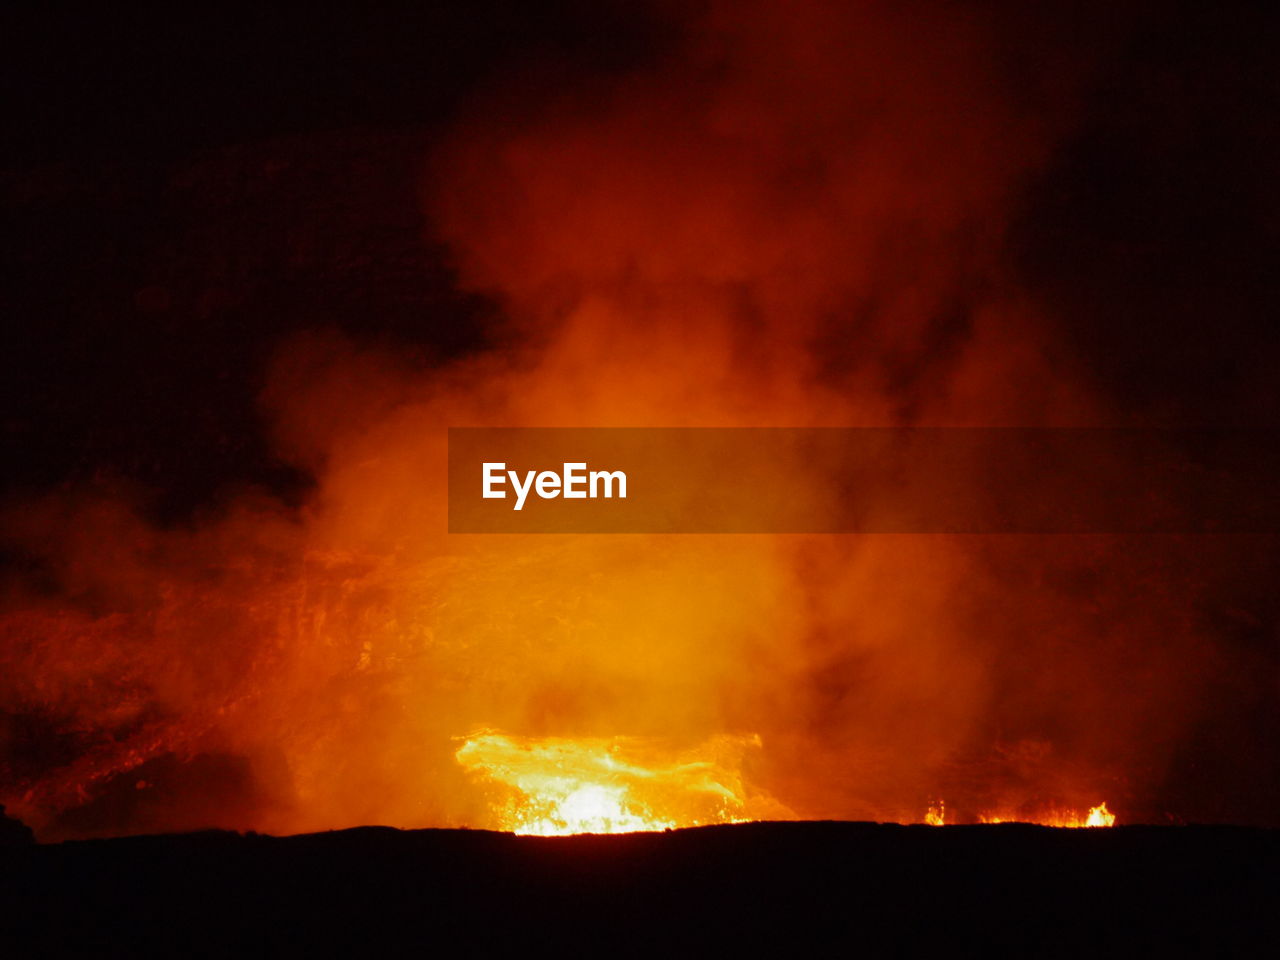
point(797, 218)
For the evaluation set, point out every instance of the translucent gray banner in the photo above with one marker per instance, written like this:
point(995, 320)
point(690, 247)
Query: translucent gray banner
point(863, 480)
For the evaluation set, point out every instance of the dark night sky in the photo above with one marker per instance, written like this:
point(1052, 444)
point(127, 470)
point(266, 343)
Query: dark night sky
point(140, 305)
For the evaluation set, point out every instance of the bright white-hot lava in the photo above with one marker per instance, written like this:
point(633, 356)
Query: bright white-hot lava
point(557, 786)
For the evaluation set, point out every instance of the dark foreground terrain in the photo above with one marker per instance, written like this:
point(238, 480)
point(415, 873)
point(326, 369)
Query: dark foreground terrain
point(756, 888)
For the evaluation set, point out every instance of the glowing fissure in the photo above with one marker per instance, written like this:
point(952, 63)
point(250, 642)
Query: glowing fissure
point(1098, 816)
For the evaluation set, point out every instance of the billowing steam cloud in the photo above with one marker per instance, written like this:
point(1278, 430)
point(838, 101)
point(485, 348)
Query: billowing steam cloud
point(797, 217)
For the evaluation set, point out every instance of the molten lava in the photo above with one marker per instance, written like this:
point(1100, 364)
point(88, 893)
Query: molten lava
point(556, 787)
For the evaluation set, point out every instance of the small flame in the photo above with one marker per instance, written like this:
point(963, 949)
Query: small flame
point(1100, 816)
point(936, 815)
point(557, 787)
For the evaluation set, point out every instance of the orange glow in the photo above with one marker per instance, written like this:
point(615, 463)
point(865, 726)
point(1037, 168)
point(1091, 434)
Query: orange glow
point(556, 787)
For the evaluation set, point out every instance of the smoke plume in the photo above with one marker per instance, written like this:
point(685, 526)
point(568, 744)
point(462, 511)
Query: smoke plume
point(796, 215)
